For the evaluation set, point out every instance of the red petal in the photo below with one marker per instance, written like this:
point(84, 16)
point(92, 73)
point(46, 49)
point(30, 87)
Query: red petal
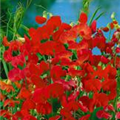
point(24, 93)
point(5, 41)
point(102, 114)
point(105, 29)
point(118, 115)
point(111, 25)
point(86, 117)
point(104, 60)
point(83, 18)
point(117, 50)
point(93, 26)
point(40, 19)
point(55, 118)
point(44, 108)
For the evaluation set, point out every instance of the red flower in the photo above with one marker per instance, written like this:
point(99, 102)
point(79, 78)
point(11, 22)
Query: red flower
point(37, 81)
point(6, 87)
point(93, 85)
point(78, 46)
point(67, 85)
point(65, 26)
point(67, 36)
point(109, 108)
point(83, 18)
point(16, 74)
point(111, 25)
point(33, 58)
point(85, 101)
point(18, 60)
point(66, 115)
point(17, 115)
point(34, 69)
point(44, 108)
point(102, 114)
point(8, 55)
point(5, 114)
point(5, 42)
point(101, 99)
point(55, 90)
point(2, 97)
point(40, 19)
point(83, 55)
point(15, 45)
point(95, 59)
point(99, 41)
point(109, 84)
point(84, 31)
point(118, 115)
point(111, 72)
point(105, 29)
point(57, 117)
point(86, 117)
point(24, 93)
point(28, 104)
point(118, 50)
point(10, 103)
point(54, 22)
point(40, 95)
point(93, 26)
point(117, 62)
point(44, 67)
point(55, 75)
point(29, 117)
point(104, 60)
point(72, 72)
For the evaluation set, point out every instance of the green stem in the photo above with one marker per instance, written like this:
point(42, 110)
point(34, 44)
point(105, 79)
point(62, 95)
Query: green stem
point(5, 67)
point(93, 16)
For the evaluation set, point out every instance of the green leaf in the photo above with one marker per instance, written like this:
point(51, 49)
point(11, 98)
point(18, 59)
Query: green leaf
point(94, 14)
point(2, 118)
point(56, 105)
point(86, 4)
point(1, 104)
point(93, 115)
point(99, 15)
point(74, 56)
point(43, 41)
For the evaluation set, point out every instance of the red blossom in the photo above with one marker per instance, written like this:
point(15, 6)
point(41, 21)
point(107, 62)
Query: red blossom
point(16, 74)
point(94, 26)
point(102, 114)
point(93, 85)
point(10, 103)
point(104, 60)
point(55, 75)
point(45, 108)
point(118, 115)
point(101, 99)
point(86, 117)
point(83, 17)
point(29, 117)
point(24, 93)
point(52, 65)
point(37, 81)
point(57, 117)
point(5, 42)
point(40, 19)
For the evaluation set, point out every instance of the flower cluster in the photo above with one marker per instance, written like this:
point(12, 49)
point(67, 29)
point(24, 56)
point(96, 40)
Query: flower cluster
point(55, 74)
